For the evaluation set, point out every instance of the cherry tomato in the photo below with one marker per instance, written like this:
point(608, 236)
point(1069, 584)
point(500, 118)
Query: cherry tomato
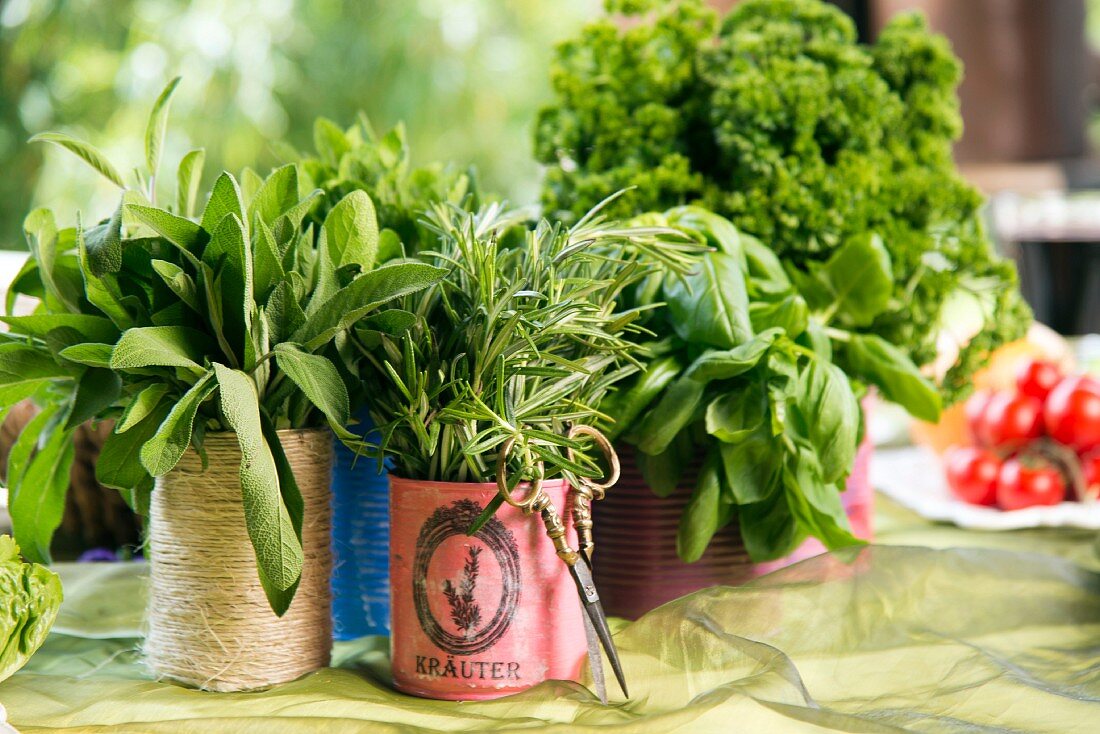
point(1072, 412)
point(1037, 378)
point(975, 412)
point(1090, 468)
point(972, 474)
point(1011, 420)
point(1029, 484)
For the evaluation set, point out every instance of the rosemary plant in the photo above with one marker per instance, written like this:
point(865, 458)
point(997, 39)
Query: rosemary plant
point(516, 342)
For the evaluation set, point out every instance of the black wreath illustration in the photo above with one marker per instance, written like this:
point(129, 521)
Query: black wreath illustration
point(454, 520)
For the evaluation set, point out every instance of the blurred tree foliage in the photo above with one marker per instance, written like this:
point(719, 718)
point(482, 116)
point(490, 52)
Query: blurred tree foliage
point(465, 75)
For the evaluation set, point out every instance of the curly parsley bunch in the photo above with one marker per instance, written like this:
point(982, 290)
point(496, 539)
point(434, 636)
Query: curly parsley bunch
point(776, 118)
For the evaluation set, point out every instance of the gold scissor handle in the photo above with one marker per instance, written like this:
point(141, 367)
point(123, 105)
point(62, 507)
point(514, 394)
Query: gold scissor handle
point(535, 499)
point(589, 490)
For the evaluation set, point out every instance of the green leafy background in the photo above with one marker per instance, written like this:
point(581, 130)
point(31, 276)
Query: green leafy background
point(465, 75)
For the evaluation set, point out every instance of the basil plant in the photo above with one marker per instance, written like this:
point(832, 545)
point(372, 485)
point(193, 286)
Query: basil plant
point(742, 375)
point(176, 321)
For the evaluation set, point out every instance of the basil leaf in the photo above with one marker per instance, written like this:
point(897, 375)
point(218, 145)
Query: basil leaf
point(664, 471)
point(768, 528)
point(711, 306)
point(882, 364)
point(735, 415)
point(790, 314)
point(726, 364)
point(706, 512)
point(832, 417)
point(752, 465)
point(815, 504)
point(861, 279)
point(672, 414)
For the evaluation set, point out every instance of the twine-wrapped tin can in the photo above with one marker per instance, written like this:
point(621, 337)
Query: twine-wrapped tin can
point(482, 616)
point(208, 621)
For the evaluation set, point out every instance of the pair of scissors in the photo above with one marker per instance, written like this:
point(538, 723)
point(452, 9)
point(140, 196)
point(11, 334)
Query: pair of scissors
point(534, 499)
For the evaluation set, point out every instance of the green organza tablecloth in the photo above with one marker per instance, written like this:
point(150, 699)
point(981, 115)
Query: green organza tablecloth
point(887, 639)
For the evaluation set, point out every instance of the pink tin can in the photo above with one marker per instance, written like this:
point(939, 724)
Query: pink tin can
point(483, 616)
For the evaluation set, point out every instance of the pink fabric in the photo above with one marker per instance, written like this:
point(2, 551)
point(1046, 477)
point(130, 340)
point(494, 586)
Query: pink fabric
point(483, 616)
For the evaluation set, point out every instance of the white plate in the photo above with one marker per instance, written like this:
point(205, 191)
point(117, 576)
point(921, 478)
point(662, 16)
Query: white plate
point(914, 477)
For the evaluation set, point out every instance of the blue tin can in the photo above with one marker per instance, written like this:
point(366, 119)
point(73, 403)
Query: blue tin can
point(360, 544)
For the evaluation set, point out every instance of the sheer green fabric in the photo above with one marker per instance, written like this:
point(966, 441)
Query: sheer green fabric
point(884, 639)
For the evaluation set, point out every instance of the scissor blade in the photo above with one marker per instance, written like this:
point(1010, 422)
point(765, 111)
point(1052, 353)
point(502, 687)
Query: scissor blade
point(595, 660)
point(582, 575)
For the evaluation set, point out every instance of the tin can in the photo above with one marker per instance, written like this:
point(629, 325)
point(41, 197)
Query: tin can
point(477, 617)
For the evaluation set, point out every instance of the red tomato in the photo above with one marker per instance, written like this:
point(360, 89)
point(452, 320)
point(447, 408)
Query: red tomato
point(1090, 468)
point(1028, 484)
point(975, 413)
point(1072, 412)
point(1011, 420)
point(1038, 378)
point(972, 474)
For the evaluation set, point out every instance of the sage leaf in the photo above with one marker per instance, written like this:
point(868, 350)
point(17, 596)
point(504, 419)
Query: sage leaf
point(92, 328)
point(103, 292)
point(352, 231)
point(24, 363)
point(162, 452)
point(142, 404)
point(179, 282)
point(91, 355)
point(188, 179)
point(85, 152)
point(187, 236)
point(161, 346)
point(229, 254)
point(275, 195)
point(119, 464)
point(225, 199)
point(316, 376)
point(277, 545)
point(155, 129)
point(104, 243)
point(96, 390)
point(41, 232)
point(363, 295)
point(35, 515)
point(879, 362)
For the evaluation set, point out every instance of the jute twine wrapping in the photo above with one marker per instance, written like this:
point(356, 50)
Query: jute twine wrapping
point(208, 621)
